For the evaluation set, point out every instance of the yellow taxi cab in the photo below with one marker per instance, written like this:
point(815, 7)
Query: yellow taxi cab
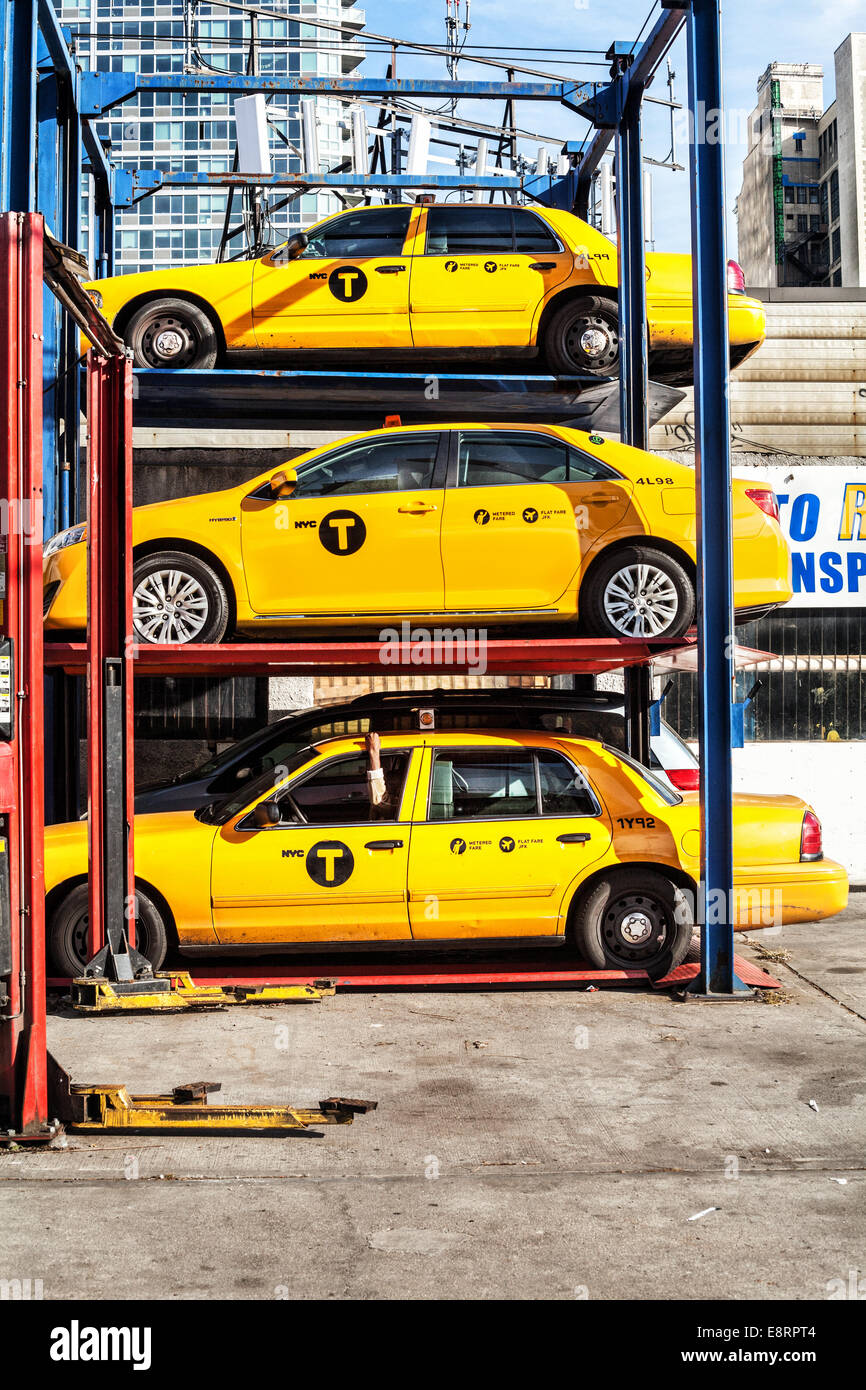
point(485, 523)
point(445, 281)
point(505, 839)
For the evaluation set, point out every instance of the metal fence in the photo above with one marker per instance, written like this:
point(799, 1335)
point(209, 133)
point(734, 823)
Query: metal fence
point(815, 688)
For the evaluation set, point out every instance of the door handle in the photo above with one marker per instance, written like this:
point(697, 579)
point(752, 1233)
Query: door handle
point(418, 508)
point(542, 265)
point(384, 844)
point(600, 499)
point(389, 269)
point(579, 837)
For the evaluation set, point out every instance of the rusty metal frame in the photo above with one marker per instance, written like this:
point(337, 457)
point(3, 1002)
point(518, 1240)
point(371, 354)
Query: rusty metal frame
point(22, 1014)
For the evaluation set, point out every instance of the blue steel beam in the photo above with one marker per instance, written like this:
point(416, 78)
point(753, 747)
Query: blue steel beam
point(643, 68)
point(102, 90)
point(716, 670)
point(17, 105)
point(48, 193)
point(55, 39)
point(634, 426)
point(146, 181)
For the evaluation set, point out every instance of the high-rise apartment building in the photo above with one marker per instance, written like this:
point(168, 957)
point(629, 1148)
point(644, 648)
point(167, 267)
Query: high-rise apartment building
point(182, 131)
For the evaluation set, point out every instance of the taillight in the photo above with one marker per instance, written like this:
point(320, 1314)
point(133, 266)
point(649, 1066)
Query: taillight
point(766, 499)
point(685, 779)
point(811, 842)
point(736, 278)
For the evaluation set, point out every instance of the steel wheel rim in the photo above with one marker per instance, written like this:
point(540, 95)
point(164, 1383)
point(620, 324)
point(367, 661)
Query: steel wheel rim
point(591, 341)
point(168, 340)
point(169, 605)
point(78, 937)
point(635, 927)
point(641, 601)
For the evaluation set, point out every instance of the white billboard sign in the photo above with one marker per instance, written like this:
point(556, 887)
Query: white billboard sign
point(823, 516)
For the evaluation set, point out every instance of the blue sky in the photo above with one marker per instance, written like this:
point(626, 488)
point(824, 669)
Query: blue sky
point(756, 32)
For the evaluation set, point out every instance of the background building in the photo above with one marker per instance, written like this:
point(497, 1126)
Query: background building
point(175, 131)
point(801, 212)
point(782, 240)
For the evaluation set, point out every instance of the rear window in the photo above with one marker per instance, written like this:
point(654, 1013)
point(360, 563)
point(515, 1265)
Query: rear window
point(663, 791)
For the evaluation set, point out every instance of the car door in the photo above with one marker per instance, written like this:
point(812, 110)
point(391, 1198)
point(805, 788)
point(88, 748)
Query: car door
point(359, 534)
point(348, 289)
point(521, 507)
point(333, 869)
point(500, 835)
point(483, 275)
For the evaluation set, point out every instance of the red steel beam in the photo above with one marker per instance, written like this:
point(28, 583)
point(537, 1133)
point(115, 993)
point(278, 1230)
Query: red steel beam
point(497, 656)
point(109, 651)
point(23, 1080)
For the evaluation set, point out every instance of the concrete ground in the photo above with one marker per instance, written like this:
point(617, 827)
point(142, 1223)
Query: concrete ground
point(545, 1145)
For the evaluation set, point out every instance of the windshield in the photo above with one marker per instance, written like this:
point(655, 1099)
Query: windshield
point(221, 810)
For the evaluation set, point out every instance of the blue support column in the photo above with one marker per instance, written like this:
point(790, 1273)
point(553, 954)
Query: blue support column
point(48, 194)
point(633, 382)
point(713, 469)
point(17, 105)
point(70, 345)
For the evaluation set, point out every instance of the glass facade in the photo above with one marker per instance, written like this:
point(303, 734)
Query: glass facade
point(179, 131)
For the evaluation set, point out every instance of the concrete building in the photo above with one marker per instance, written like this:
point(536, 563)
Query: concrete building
point(196, 131)
point(782, 240)
point(842, 151)
point(801, 212)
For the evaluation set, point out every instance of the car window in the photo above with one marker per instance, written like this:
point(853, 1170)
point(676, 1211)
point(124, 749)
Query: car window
point(532, 234)
point(564, 789)
point(279, 751)
point(338, 792)
point(370, 232)
point(482, 784)
point(383, 465)
point(493, 457)
point(470, 231)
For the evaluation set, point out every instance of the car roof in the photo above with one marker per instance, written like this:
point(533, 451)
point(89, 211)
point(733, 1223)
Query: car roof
point(457, 738)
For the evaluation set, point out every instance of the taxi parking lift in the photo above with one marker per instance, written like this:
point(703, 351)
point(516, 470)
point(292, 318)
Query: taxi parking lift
point(46, 107)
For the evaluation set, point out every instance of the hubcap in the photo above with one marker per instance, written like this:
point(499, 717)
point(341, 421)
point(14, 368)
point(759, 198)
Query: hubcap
point(594, 342)
point(635, 927)
point(169, 343)
point(169, 606)
point(641, 601)
point(591, 341)
point(167, 340)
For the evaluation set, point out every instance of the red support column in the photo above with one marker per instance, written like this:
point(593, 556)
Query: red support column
point(110, 649)
point(23, 1087)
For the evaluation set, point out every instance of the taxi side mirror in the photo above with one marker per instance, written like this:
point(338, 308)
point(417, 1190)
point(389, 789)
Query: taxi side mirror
point(296, 245)
point(284, 483)
point(267, 814)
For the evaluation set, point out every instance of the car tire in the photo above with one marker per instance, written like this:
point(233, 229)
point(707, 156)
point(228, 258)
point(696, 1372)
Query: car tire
point(177, 577)
point(641, 900)
point(582, 338)
point(612, 605)
point(172, 333)
point(67, 931)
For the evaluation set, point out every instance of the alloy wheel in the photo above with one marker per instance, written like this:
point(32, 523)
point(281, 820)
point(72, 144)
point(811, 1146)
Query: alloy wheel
point(641, 601)
point(169, 606)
